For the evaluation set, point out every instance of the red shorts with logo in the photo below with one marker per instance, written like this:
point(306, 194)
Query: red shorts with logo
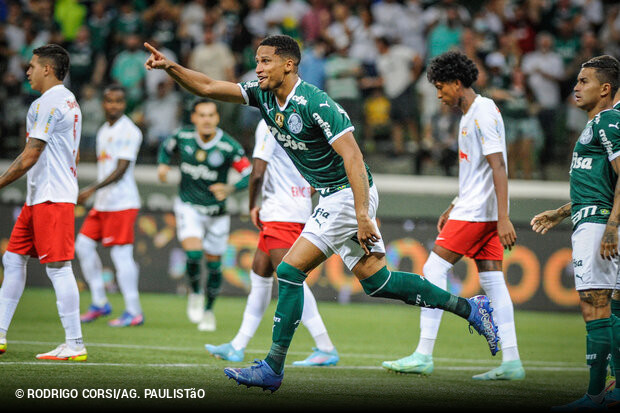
point(278, 235)
point(45, 231)
point(110, 227)
point(477, 240)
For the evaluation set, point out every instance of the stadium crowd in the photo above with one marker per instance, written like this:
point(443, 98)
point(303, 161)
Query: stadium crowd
point(369, 55)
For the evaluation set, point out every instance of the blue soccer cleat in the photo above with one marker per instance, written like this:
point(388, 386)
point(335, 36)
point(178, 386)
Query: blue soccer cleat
point(583, 404)
point(225, 352)
point(481, 320)
point(260, 375)
point(95, 312)
point(127, 320)
point(612, 399)
point(319, 358)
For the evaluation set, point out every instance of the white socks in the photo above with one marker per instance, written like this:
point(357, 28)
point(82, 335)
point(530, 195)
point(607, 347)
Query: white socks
point(311, 318)
point(12, 286)
point(90, 263)
point(495, 288)
point(258, 300)
point(67, 300)
point(436, 272)
point(127, 277)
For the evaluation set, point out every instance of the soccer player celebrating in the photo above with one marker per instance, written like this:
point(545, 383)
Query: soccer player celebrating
point(286, 206)
point(45, 225)
point(112, 218)
point(317, 135)
point(476, 224)
point(206, 154)
point(595, 212)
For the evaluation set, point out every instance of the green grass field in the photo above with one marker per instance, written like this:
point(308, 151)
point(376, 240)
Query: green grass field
point(167, 352)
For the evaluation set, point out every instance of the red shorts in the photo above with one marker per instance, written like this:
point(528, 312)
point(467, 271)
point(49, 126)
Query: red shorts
point(278, 235)
point(110, 227)
point(45, 231)
point(477, 240)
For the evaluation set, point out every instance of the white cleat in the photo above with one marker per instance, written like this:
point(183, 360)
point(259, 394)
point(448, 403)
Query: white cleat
point(208, 321)
point(64, 352)
point(195, 305)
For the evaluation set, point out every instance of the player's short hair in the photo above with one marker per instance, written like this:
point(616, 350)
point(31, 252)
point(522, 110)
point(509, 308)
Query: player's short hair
point(607, 70)
point(57, 56)
point(285, 46)
point(200, 102)
point(115, 87)
point(451, 66)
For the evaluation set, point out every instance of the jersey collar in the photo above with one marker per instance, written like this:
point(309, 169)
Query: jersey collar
point(212, 142)
point(290, 95)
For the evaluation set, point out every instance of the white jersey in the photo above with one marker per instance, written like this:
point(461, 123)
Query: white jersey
point(119, 141)
point(56, 119)
point(481, 133)
point(286, 194)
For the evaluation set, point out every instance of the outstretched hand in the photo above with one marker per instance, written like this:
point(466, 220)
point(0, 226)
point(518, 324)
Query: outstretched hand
point(156, 60)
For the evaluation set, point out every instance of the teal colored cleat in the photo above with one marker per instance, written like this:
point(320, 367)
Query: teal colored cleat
point(583, 404)
point(260, 375)
point(508, 370)
point(414, 364)
point(225, 352)
point(612, 399)
point(319, 358)
point(481, 320)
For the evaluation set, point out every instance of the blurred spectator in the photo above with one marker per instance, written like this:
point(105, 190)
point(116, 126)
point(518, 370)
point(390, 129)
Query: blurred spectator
point(70, 15)
point(160, 23)
point(363, 47)
point(92, 119)
point(340, 31)
point(387, 14)
point(314, 22)
point(87, 65)
point(411, 27)
point(312, 64)
point(191, 19)
point(127, 22)
point(14, 32)
point(610, 32)
point(377, 117)
point(12, 125)
point(154, 77)
point(544, 70)
point(128, 70)
point(162, 115)
point(44, 22)
point(99, 23)
point(255, 21)
point(285, 16)
point(446, 34)
point(343, 74)
point(521, 25)
point(440, 141)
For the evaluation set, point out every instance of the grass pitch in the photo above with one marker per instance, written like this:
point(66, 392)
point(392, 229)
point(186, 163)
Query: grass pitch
point(163, 363)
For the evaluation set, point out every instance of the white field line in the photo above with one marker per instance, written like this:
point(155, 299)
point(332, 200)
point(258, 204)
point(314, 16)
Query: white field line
point(478, 363)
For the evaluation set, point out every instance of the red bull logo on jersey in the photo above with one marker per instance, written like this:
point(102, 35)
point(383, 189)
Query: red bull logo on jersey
point(464, 131)
point(463, 156)
point(103, 156)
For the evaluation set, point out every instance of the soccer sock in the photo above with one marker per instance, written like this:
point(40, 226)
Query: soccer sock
point(615, 353)
point(598, 347)
point(258, 300)
point(127, 277)
point(435, 271)
point(12, 286)
point(288, 314)
point(415, 290)
point(67, 299)
point(214, 282)
point(90, 263)
point(311, 318)
point(494, 286)
point(194, 258)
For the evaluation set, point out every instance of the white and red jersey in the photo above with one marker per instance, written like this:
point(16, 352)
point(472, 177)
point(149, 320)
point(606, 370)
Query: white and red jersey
point(481, 133)
point(56, 119)
point(286, 194)
point(121, 140)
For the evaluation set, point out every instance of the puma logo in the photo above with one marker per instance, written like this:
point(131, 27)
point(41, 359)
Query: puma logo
point(611, 125)
point(324, 104)
point(267, 108)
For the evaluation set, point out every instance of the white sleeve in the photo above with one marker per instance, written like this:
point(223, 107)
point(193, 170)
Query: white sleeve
point(129, 144)
point(46, 115)
point(265, 143)
point(488, 130)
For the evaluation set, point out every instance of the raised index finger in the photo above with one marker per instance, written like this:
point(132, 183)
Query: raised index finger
point(151, 49)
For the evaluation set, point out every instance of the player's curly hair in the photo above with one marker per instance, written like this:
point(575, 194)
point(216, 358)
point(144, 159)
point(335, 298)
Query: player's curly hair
point(285, 46)
point(451, 66)
point(607, 71)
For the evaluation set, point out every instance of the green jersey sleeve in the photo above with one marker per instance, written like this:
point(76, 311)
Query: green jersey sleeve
point(249, 90)
point(330, 117)
point(167, 149)
point(608, 131)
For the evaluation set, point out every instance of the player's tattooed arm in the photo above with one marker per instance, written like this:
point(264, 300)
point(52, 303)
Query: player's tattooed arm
point(24, 161)
point(596, 298)
point(546, 220)
point(609, 242)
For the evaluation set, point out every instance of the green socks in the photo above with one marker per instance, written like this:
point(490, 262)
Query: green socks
point(214, 282)
point(288, 314)
point(615, 328)
point(193, 269)
point(598, 347)
point(415, 290)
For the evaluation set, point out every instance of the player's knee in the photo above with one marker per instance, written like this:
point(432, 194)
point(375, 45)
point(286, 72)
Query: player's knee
point(84, 245)
point(193, 255)
point(287, 272)
point(10, 259)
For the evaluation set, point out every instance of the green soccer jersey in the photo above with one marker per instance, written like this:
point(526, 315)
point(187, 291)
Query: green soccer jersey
point(617, 106)
point(203, 164)
point(306, 126)
point(592, 177)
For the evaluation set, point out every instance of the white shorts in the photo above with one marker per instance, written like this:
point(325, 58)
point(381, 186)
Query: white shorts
point(332, 227)
point(212, 230)
point(592, 271)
